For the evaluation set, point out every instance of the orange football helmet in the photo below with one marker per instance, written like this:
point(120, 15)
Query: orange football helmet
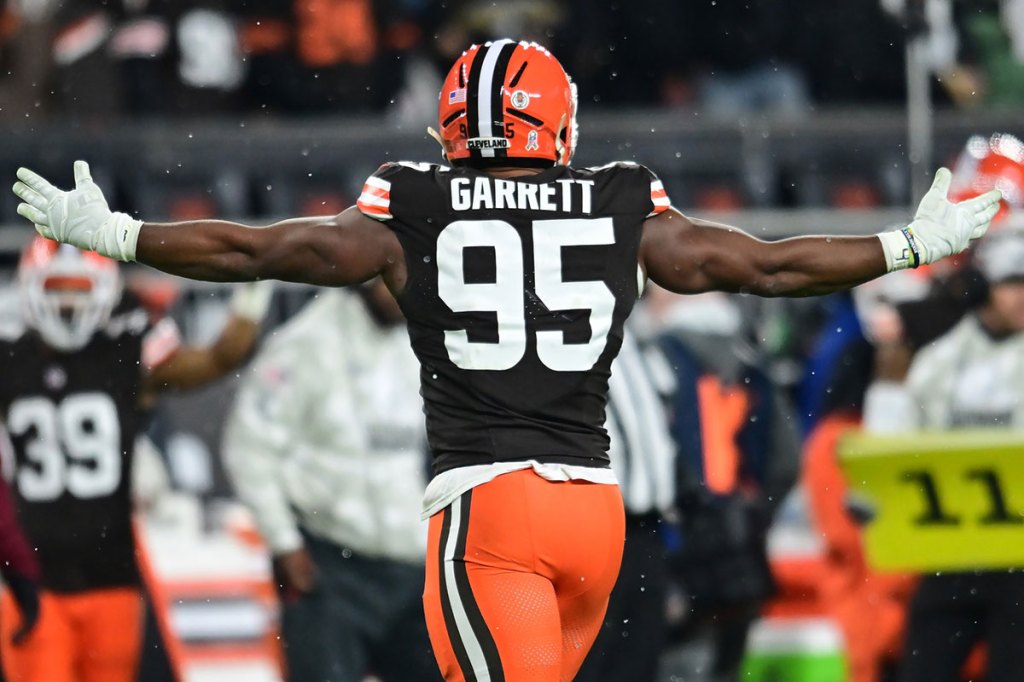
point(995, 163)
point(66, 294)
point(508, 103)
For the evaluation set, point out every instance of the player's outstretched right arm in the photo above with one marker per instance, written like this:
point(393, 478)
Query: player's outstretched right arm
point(330, 251)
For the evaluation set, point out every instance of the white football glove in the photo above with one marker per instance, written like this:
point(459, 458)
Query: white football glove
point(79, 217)
point(940, 228)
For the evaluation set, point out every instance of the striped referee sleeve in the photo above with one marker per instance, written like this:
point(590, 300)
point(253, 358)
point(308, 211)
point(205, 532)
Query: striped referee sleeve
point(641, 447)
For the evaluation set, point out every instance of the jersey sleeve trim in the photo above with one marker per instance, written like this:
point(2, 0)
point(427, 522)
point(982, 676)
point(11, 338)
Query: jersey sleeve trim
point(659, 197)
point(375, 201)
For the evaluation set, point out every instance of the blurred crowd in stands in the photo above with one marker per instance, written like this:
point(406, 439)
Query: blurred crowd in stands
point(88, 58)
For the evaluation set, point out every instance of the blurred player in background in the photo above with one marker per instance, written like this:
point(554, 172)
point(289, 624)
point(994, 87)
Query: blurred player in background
point(516, 273)
point(739, 450)
point(328, 450)
point(77, 368)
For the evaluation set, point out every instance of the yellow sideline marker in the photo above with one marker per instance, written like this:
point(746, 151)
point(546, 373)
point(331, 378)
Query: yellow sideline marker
point(942, 500)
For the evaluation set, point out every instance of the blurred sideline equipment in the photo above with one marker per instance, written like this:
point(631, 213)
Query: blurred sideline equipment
point(941, 501)
point(516, 273)
point(78, 367)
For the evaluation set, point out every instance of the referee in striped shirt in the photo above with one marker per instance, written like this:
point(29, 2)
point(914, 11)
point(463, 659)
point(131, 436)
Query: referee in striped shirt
point(643, 456)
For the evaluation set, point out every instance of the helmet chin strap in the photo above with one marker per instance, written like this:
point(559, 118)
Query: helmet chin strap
point(559, 147)
point(434, 134)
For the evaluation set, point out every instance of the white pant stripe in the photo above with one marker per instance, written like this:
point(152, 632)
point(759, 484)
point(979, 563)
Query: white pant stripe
point(465, 630)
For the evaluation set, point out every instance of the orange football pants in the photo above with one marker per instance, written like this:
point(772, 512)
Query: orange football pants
point(93, 636)
point(519, 570)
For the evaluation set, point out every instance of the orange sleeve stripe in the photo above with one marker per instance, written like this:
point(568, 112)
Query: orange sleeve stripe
point(378, 212)
point(375, 201)
point(659, 197)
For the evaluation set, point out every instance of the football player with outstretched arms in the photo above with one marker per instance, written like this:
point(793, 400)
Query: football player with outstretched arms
point(516, 272)
point(80, 366)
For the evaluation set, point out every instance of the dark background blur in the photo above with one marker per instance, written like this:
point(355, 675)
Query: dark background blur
point(263, 108)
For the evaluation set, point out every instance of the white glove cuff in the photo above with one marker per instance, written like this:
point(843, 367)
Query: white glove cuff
point(900, 248)
point(117, 237)
point(250, 301)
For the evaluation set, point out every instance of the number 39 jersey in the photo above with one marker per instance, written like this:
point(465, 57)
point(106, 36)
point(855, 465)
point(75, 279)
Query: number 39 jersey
point(517, 292)
point(72, 419)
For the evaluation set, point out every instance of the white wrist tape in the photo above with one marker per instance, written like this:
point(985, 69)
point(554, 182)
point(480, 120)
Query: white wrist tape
point(117, 237)
point(900, 248)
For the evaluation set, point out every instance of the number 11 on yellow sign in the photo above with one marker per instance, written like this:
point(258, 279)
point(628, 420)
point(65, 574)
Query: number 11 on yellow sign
point(942, 501)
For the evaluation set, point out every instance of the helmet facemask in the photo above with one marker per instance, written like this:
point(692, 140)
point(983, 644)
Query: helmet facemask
point(68, 296)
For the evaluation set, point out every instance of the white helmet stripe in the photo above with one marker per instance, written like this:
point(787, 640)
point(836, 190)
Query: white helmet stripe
point(484, 113)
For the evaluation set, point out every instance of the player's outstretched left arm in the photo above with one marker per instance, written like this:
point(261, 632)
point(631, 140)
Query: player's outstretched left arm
point(686, 255)
point(329, 251)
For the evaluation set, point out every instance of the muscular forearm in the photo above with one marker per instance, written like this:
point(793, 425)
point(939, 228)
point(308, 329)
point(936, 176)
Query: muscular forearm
point(337, 251)
point(212, 250)
point(327, 251)
point(810, 266)
point(688, 255)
